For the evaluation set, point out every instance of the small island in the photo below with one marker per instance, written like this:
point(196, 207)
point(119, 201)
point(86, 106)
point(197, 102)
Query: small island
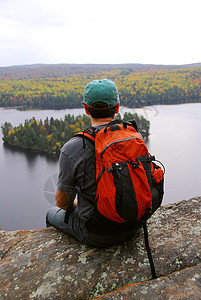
point(51, 134)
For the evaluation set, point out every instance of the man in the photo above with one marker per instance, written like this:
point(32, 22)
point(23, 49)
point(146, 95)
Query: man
point(77, 176)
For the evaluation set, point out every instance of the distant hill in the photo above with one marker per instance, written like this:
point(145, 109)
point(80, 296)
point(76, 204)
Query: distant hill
point(61, 86)
point(63, 70)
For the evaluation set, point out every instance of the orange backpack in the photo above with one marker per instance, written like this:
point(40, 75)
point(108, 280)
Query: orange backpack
point(127, 179)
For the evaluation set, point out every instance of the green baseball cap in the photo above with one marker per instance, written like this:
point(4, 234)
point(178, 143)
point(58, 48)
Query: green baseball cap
point(103, 90)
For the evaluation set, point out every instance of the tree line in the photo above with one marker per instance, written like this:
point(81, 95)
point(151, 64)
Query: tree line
point(136, 88)
point(51, 134)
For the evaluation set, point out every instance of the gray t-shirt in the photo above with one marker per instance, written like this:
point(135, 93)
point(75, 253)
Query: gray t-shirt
point(77, 173)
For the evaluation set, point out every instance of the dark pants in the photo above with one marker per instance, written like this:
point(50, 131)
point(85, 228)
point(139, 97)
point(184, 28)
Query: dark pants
point(76, 228)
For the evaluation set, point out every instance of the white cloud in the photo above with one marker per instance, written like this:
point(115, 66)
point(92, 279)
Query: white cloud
point(65, 31)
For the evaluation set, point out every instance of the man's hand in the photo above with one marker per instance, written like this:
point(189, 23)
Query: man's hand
point(75, 202)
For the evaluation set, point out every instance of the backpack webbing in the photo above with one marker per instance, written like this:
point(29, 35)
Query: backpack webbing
point(151, 262)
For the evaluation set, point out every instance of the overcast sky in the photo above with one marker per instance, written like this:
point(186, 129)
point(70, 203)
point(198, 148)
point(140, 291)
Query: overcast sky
point(106, 31)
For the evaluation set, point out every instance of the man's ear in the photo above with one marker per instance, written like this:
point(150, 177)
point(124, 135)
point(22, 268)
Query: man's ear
point(86, 110)
point(117, 108)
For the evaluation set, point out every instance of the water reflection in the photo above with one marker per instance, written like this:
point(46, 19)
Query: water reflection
point(29, 155)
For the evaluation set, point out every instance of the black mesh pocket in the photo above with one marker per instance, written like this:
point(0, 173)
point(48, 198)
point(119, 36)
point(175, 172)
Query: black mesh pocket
point(125, 198)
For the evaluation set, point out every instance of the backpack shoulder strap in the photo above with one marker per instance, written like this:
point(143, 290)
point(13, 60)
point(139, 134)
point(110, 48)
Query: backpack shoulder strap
point(88, 134)
point(133, 124)
point(85, 135)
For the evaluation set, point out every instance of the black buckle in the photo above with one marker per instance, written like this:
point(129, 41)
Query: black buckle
point(151, 158)
point(134, 164)
point(115, 168)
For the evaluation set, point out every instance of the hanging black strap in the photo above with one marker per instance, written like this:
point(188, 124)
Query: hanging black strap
point(146, 239)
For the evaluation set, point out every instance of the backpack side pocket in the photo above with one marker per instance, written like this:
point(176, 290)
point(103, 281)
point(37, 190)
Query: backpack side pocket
point(157, 175)
point(130, 180)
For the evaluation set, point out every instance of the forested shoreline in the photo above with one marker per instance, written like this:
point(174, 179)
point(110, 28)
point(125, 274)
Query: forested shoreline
point(136, 88)
point(51, 134)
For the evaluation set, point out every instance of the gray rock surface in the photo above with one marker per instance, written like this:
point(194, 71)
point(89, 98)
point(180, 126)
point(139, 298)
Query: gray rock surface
point(47, 264)
point(184, 284)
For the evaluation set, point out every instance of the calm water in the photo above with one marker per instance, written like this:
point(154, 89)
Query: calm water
point(28, 180)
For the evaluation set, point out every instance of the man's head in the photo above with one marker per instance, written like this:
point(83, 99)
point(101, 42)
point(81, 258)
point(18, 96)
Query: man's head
point(101, 98)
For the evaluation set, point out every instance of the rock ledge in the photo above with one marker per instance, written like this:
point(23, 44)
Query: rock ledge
point(47, 264)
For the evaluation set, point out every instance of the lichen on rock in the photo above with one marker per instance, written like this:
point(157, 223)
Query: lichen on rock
point(48, 264)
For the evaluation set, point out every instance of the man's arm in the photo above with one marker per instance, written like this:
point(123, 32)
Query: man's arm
point(64, 194)
point(61, 199)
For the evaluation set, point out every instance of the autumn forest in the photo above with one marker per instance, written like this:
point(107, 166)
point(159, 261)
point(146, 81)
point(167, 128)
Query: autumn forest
point(59, 87)
point(149, 86)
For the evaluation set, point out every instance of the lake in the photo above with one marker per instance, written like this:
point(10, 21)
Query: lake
point(28, 180)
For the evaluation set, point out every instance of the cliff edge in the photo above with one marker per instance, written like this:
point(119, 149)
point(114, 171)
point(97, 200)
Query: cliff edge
point(47, 264)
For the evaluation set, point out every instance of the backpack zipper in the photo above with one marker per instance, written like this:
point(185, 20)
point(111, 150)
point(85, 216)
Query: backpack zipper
point(127, 139)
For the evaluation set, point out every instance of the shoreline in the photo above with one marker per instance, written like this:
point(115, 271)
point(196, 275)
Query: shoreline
point(147, 104)
point(32, 150)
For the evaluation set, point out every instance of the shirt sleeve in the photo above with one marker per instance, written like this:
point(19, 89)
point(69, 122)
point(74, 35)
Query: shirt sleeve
point(66, 174)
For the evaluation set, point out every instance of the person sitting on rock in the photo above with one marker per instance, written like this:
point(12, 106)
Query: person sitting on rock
point(76, 212)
